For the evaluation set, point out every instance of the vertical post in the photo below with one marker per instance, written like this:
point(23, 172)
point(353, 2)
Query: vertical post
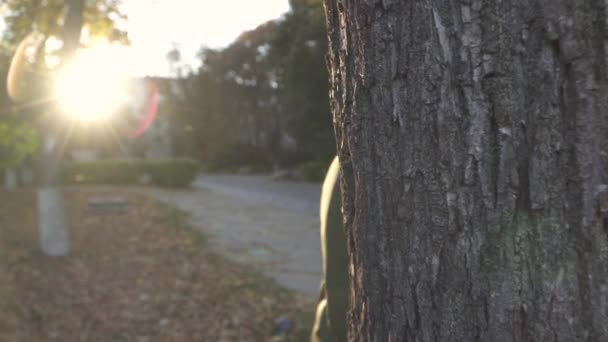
point(52, 225)
point(10, 179)
point(72, 27)
point(53, 230)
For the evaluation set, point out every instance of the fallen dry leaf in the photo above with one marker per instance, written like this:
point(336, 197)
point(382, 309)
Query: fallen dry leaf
point(133, 276)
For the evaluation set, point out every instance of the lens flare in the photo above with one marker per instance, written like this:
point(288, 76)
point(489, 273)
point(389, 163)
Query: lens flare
point(20, 73)
point(150, 112)
point(93, 85)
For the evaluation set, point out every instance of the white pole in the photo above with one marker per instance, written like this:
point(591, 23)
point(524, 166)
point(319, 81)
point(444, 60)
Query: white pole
point(10, 179)
point(53, 229)
point(52, 226)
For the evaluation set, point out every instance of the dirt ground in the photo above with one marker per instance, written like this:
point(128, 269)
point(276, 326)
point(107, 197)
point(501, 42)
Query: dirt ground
point(137, 276)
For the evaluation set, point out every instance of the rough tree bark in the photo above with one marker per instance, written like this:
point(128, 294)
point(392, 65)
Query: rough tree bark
point(473, 143)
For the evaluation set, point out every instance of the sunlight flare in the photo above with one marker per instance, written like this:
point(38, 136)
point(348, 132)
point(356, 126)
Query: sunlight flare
point(94, 85)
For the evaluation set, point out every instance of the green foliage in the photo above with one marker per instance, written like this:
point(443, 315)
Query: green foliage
point(271, 83)
point(18, 140)
point(169, 173)
point(298, 52)
point(235, 98)
point(313, 171)
point(101, 172)
point(46, 17)
point(18, 136)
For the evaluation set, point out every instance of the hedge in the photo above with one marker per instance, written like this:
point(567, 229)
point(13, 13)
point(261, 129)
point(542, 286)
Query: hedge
point(169, 173)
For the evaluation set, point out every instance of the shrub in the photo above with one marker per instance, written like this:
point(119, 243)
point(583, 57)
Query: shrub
point(313, 171)
point(170, 173)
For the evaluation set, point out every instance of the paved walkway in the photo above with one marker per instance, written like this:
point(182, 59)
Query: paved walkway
point(253, 220)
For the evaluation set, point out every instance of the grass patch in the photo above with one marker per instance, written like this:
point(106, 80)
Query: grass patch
point(175, 218)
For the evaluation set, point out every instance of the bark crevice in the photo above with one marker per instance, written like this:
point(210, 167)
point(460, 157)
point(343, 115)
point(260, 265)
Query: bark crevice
point(473, 138)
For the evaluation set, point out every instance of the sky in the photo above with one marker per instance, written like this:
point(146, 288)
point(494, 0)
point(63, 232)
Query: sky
point(154, 26)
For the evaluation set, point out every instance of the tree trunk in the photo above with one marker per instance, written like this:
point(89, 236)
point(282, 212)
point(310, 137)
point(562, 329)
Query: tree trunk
point(52, 225)
point(473, 142)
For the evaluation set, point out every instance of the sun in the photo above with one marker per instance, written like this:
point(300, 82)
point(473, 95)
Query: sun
point(92, 86)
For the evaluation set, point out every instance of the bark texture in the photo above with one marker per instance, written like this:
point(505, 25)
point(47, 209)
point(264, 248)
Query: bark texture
point(473, 142)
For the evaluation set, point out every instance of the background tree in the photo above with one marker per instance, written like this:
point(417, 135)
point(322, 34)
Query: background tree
point(237, 100)
point(473, 143)
point(266, 89)
point(298, 53)
point(44, 18)
point(66, 26)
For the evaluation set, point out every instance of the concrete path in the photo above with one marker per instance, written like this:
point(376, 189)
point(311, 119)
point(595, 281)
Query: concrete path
point(253, 220)
point(296, 196)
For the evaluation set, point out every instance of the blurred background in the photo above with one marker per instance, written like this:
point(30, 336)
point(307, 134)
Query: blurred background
point(173, 152)
point(242, 85)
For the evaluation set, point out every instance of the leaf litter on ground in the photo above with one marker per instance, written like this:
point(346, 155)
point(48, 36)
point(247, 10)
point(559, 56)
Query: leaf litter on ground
point(140, 276)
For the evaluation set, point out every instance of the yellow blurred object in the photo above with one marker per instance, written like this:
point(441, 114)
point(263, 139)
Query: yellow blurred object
point(19, 72)
point(88, 87)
